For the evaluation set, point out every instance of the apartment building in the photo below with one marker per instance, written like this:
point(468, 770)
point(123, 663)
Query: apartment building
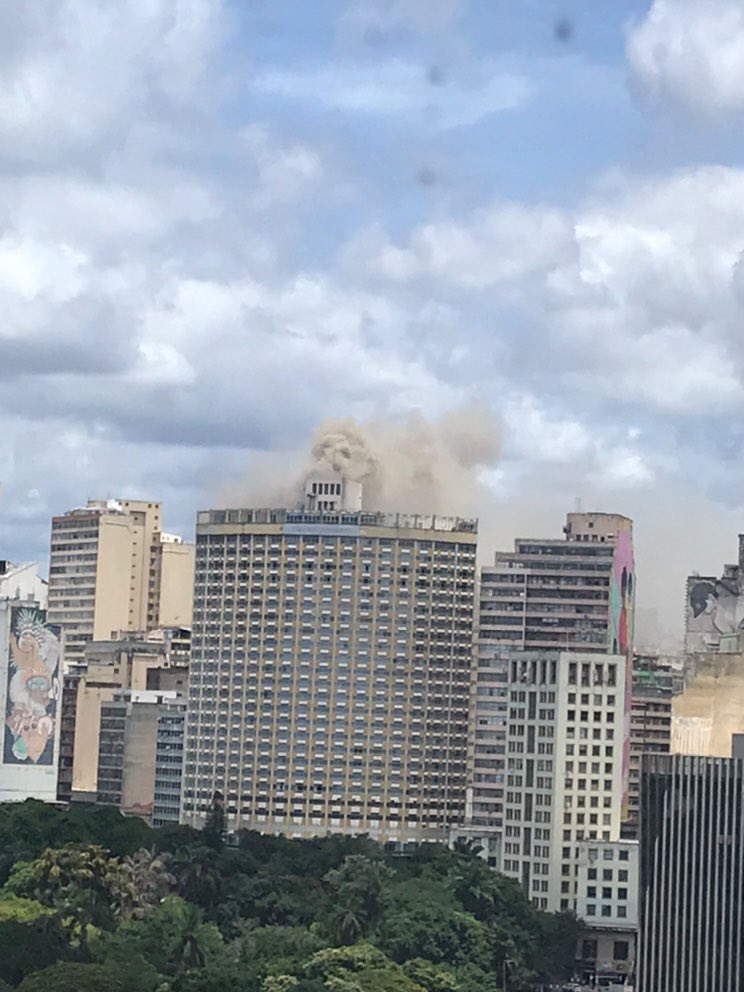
point(650, 727)
point(169, 745)
point(691, 897)
point(331, 667)
point(136, 661)
point(570, 594)
point(111, 568)
point(564, 765)
point(127, 749)
point(576, 593)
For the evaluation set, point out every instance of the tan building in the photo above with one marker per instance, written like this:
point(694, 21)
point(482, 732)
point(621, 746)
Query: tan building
point(330, 673)
point(650, 726)
point(130, 662)
point(710, 710)
point(112, 569)
point(128, 748)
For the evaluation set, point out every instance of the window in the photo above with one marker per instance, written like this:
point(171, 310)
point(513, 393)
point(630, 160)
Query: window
point(620, 950)
point(589, 950)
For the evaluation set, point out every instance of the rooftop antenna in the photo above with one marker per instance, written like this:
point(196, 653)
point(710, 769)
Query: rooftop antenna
point(578, 504)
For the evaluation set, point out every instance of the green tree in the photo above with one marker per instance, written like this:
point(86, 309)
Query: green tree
point(431, 977)
point(215, 824)
point(143, 880)
point(27, 946)
point(357, 893)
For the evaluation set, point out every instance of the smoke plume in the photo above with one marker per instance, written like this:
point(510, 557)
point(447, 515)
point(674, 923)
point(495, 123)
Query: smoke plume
point(415, 465)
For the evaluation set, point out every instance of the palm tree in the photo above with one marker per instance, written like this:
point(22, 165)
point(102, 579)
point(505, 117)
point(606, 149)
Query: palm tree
point(143, 881)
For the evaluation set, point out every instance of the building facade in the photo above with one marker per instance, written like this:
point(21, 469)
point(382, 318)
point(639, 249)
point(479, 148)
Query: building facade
point(691, 893)
point(607, 905)
point(714, 607)
point(650, 727)
point(111, 569)
point(564, 764)
point(20, 582)
point(136, 661)
point(127, 749)
point(169, 763)
point(575, 593)
point(30, 662)
point(331, 667)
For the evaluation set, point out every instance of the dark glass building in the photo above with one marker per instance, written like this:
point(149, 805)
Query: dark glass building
point(692, 874)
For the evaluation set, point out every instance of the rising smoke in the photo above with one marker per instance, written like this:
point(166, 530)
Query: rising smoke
point(415, 465)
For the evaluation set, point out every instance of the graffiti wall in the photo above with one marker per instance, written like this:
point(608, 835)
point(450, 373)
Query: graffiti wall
point(32, 688)
point(714, 608)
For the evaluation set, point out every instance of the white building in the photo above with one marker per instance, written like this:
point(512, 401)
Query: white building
point(607, 904)
point(23, 582)
point(30, 656)
point(564, 767)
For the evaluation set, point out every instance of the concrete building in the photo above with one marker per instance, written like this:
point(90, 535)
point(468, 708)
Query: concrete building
point(650, 726)
point(127, 749)
point(571, 594)
point(111, 568)
point(564, 748)
point(19, 582)
point(135, 661)
point(169, 763)
point(607, 905)
point(576, 593)
point(714, 607)
point(30, 659)
point(691, 895)
point(709, 710)
point(331, 668)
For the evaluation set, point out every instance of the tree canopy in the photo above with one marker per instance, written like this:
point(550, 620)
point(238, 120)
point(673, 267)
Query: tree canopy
point(91, 900)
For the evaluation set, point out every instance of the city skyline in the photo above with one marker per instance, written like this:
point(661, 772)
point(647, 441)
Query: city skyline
point(272, 218)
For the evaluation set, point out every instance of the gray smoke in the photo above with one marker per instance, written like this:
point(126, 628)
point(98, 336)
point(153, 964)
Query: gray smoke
point(414, 465)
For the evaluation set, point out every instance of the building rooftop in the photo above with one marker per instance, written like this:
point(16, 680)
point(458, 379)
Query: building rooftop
point(401, 521)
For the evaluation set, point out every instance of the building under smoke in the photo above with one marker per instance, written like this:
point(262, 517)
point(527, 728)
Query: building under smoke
point(331, 663)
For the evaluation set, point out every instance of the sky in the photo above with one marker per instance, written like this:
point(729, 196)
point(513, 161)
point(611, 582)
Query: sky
point(223, 222)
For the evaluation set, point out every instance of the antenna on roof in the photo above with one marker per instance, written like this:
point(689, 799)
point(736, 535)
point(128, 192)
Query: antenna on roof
point(578, 504)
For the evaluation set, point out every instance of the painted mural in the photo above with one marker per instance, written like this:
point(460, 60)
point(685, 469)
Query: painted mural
point(32, 689)
point(622, 608)
point(715, 608)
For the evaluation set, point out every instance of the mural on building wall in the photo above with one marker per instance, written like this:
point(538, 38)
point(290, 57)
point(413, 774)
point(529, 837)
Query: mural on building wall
point(622, 609)
point(32, 689)
point(715, 608)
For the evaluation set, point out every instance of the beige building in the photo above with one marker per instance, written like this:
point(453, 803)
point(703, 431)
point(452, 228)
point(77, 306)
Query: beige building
point(130, 662)
point(111, 569)
point(711, 709)
point(330, 673)
point(128, 748)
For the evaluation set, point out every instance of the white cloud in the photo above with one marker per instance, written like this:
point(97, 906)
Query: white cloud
point(399, 90)
point(691, 53)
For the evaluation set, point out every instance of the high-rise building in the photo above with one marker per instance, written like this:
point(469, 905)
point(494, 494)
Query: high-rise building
point(127, 749)
point(691, 933)
point(714, 609)
point(564, 765)
point(331, 666)
point(30, 659)
point(650, 726)
point(134, 661)
point(576, 593)
point(169, 763)
point(23, 582)
point(111, 568)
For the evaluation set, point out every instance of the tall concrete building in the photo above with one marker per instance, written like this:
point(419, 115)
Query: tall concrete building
point(331, 666)
point(714, 608)
point(111, 568)
point(691, 933)
point(19, 582)
point(575, 593)
point(564, 762)
point(30, 659)
point(650, 726)
point(569, 594)
point(169, 763)
point(132, 661)
point(127, 750)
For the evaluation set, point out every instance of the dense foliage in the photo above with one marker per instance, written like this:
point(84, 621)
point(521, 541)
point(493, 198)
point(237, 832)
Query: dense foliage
point(92, 901)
